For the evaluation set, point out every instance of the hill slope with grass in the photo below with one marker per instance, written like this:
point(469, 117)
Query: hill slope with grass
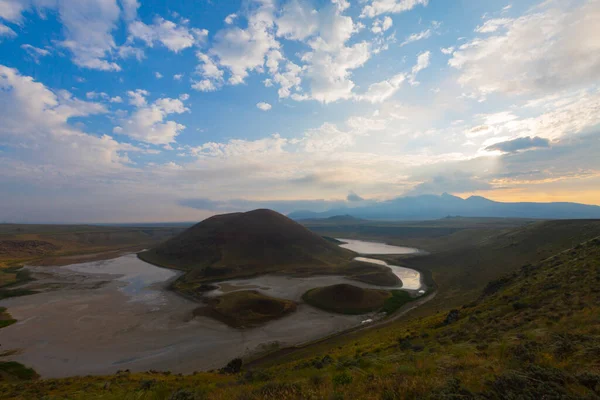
point(245, 308)
point(346, 299)
point(460, 273)
point(533, 333)
point(243, 244)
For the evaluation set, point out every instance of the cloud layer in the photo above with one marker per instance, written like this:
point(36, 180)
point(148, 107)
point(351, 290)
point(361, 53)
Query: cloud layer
point(292, 105)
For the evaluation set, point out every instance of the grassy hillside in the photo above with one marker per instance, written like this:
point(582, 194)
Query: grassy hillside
point(246, 308)
point(346, 299)
point(460, 273)
point(432, 236)
point(530, 334)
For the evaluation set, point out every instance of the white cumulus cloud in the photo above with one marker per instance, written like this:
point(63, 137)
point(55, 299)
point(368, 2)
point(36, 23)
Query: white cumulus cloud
point(382, 25)
point(147, 123)
point(263, 106)
point(553, 48)
point(174, 37)
point(378, 7)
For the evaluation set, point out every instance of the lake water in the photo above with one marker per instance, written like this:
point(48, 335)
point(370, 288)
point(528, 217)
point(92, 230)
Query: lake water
point(138, 280)
point(374, 248)
point(411, 279)
point(102, 316)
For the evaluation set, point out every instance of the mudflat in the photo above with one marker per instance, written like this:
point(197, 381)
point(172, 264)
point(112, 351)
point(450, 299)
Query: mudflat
point(104, 316)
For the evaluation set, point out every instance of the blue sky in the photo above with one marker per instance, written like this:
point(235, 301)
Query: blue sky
point(125, 110)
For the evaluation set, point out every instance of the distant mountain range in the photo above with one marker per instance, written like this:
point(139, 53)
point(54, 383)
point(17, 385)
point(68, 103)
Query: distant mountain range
point(434, 207)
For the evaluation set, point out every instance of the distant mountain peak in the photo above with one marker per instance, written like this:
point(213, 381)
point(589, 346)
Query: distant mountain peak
point(428, 207)
point(448, 196)
point(479, 199)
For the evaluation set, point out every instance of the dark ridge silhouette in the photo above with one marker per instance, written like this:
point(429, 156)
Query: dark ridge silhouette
point(427, 207)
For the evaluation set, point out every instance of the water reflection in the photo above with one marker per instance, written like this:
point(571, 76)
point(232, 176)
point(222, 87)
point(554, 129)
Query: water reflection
point(138, 277)
point(411, 279)
point(362, 247)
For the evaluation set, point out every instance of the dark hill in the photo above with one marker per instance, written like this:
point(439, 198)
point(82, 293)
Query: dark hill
point(346, 299)
point(243, 244)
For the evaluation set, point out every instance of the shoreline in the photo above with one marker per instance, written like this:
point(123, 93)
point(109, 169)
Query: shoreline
point(122, 341)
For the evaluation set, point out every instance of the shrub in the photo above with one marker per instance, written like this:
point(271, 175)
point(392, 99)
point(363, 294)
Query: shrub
point(147, 384)
point(404, 344)
point(453, 390)
point(19, 371)
point(184, 394)
point(316, 380)
point(342, 379)
point(279, 391)
point(257, 376)
point(452, 317)
point(589, 380)
point(233, 367)
point(535, 382)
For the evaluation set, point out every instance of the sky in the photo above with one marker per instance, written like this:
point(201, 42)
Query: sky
point(155, 111)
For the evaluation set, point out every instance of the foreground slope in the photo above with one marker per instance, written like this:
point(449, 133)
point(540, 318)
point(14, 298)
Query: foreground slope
point(460, 273)
point(530, 334)
point(243, 244)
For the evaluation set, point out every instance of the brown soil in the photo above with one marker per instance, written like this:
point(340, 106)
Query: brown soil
point(25, 248)
point(58, 260)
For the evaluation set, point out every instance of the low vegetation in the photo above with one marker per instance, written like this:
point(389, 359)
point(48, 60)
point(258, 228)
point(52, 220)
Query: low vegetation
point(347, 299)
point(398, 299)
point(531, 330)
point(5, 318)
point(13, 371)
point(246, 308)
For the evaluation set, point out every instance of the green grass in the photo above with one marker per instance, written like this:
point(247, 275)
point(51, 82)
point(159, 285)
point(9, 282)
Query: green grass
point(7, 293)
point(6, 322)
point(461, 273)
point(399, 298)
point(10, 370)
point(533, 334)
point(5, 318)
point(19, 276)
